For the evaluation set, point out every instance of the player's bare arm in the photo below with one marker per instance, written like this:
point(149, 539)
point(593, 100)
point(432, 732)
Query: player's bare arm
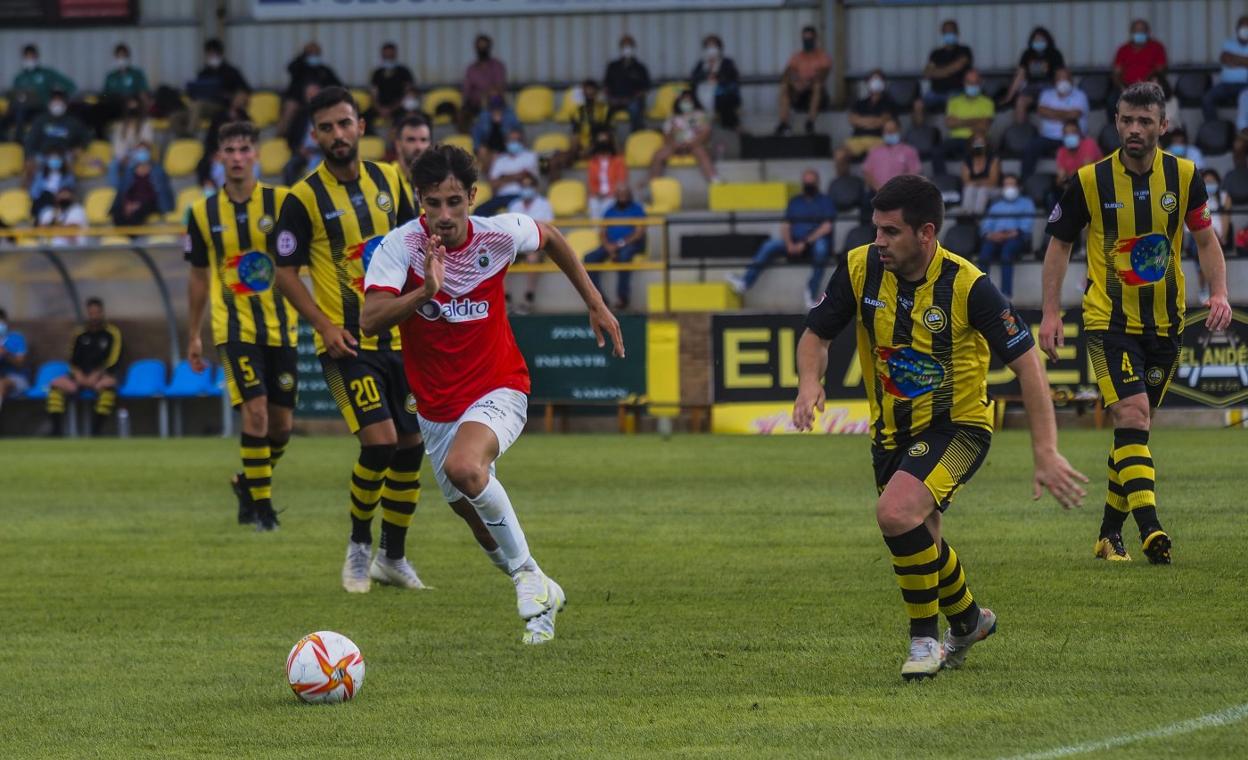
point(383, 309)
point(1056, 260)
point(1212, 263)
point(197, 297)
point(600, 317)
point(1052, 470)
point(338, 341)
point(812, 364)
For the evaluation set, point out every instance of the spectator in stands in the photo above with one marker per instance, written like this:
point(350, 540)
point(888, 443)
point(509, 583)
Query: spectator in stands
point(1137, 60)
point(507, 173)
point(409, 105)
point(866, 118)
point(619, 244)
point(389, 86)
point(965, 113)
point(412, 137)
point(55, 131)
point(606, 170)
point(132, 130)
point(946, 71)
point(627, 81)
point(484, 79)
point(981, 174)
point(305, 152)
point(1177, 144)
point(1077, 151)
point(1239, 148)
point(531, 203)
point(209, 167)
point(144, 191)
point(1058, 104)
point(686, 132)
point(14, 375)
point(806, 229)
point(489, 134)
point(591, 116)
point(1219, 204)
point(1005, 231)
point(54, 174)
point(65, 211)
point(210, 91)
point(802, 85)
point(93, 363)
point(124, 82)
point(1036, 70)
point(307, 68)
point(1234, 78)
point(889, 159)
point(31, 92)
point(716, 82)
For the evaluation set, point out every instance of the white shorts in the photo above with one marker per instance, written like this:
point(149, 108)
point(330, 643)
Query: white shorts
point(503, 411)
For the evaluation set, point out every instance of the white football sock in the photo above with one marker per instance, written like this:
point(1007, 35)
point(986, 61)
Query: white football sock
point(500, 520)
point(498, 558)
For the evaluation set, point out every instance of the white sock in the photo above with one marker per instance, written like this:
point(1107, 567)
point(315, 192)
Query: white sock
point(500, 520)
point(498, 558)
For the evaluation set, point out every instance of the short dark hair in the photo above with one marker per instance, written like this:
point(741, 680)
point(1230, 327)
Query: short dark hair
point(809, 29)
point(390, 46)
point(590, 82)
point(1144, 95)
point(330, 97)
point(121, 47)
point(414, 119)
point(442, 161)
point(30, 48)
point(95, 301)
point(243, 129)
point(1009, 175)
point(214, 46)
point(4, 314)
point(920, 201)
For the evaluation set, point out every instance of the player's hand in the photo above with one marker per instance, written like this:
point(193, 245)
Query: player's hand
point(339, 342)
point(601, 320)
point(195, 353)
point(808, 401)
point(435, 266)
point(1055, 473)
point(1219, 313)
point(1052, 335)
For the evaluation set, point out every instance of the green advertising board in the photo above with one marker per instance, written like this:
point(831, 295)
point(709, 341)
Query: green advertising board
point(314, 397)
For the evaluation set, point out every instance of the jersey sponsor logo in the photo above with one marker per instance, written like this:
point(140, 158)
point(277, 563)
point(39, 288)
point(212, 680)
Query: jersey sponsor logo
point(1112, 205)
point(455, 310)
point(1154, 376)
point(1169, 202)
point(908, 373)
point(934, 319)
point(873, 302)
point(1143, 260)
point(333, 214)
point(286, 381)
point(363, 253)
point(286, 243)
point(1055, 214)
point(918, 449)
point(384, 203)
point(254, 270)
point(265, 224)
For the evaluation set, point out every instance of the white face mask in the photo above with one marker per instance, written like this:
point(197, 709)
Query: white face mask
point(29, 63)
point(875, 84)
point(56, 108)
point(121, 62)
point(213, 61)
point(628, 51)
point(1064, 86)
point(1010, 193)
point(1211, 190)
point(411, 104)
point(710, 52)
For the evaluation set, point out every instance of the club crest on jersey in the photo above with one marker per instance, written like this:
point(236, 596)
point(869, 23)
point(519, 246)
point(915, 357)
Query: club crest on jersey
point(455, 310)
point(286, 381)
point(908, 373)
point(918, 449)
point(1056, 213)
point(286, 243)
point(384, 203)
point(409, 404)
point(934, 319)
point(254, 270)
point(1169, 202)
point(1142, 260)
point(483, 261)
point(1154, 376)
point(265, 224)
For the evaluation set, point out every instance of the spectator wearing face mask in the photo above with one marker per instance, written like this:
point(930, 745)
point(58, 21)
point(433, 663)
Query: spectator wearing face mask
point(946, 71)
point(802, 85)
point(1077, 151)
point(14, 374)
point(533, 204)
point(307, 68)
point(55, 131)
point(144, 191)
point(807, 229)
point(130, 131)
point(1037, 67)
point(965, 113)
point(716, 82)
point(489, 133)
point(866, 119)
point(210, 91)
point(620, 244)
point(389, 85)
point(1058, 104)
point(890, 158)
point(627, 81)
point(507, 173)
point(484, 78)
point(1176, 144)
point(54, 175)
point(605, 171)
point(1234, 77)
point(981, 173)
point(1005, 232)
point(64, 211)
point(123, 83)
point(1219, 205)
point(1138, 59)
point(32, 91)
point(686, 132)
point(305, 151)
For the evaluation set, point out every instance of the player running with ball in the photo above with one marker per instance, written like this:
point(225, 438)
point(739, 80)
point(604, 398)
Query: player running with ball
point(440, 278)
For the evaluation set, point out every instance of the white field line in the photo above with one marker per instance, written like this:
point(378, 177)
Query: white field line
point(1220, 718)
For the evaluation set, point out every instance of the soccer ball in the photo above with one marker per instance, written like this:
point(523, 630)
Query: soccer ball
point(325, 667)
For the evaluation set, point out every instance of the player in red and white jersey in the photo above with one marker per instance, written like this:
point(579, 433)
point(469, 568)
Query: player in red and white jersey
point(440, 278)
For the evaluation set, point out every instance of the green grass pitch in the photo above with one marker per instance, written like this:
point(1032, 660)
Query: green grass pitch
point(728, 597)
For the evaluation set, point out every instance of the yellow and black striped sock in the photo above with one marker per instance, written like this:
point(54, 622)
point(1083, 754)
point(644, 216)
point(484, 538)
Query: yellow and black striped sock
point(916, 562)
point(1116, 508)
point(257, 470)
point(56, 410)
point(1134, 461)
point(399, 499)
point(956, 602)
point(103, 409)
point(277, 447)
point(367, 478)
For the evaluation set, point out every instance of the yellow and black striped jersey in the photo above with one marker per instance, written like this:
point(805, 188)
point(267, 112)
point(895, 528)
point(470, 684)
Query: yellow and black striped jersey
point(923, 346)
point(1135, 238)
point(333, 228)
point(236, 241)
point(96, 348)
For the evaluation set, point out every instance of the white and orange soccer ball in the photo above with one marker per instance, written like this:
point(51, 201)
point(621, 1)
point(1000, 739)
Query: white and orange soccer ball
point(325, 667)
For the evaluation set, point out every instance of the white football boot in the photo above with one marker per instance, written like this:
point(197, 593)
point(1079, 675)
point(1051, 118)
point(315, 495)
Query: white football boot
point(535, 593)
point(394, 572)
point(541, 629)
point(355, 569)
point(925, 659)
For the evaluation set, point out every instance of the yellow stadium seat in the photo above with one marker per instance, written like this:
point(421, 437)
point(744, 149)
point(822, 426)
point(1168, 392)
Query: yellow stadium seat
point(641, 146)
point(186, 196)
point(372, 148)
point(535, 103)
point(439, 96)
point(665, 99)
point(363, 98)
point(182, 157)
point(264, 108)
point(583, 241)
point(551, 142)
point(567, 106)
point(665, 196)
point(484, 193)
point(98, 202)
point(115, 240)
point(748, 196)
point(14, 206)
point(274, 153)
point(93, 161)
point(11, 159)
point(4, 105)
point(568, 197)
point(459, 141)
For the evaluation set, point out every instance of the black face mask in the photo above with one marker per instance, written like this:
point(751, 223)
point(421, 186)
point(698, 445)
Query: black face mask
point(602, 147)
point(979, 149)
point(810, 188)
point(808, 44)
point(64, 203)
point(483, 53)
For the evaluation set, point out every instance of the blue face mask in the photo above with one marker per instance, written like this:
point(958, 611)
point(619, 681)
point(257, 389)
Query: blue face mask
point(515, 148)
point(1139, 38)
point(1179, 149)
point(950, 38)
point(1039, 46)
point(55, 162)
point(313, 60)
point(142, 156)
point(892, 138)
point(1071, 141)
point(528, 193)
point(973, 90)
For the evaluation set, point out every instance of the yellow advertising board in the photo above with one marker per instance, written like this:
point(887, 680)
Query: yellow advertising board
point(839, 416)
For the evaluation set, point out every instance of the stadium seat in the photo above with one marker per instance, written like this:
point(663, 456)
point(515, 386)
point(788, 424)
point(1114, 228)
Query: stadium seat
point(11, 159)
point(995, 87)
point(950, 186)
point(568, 198)
point(1096, 87)
point(847, 191)
point(372, 148)
point(264, 108)
point(186, 196)
point(187, 383)
point(1214, 137)
point(963, 239)
point(567, 106)
point(48, 371)
point(484, 193)
point(903, 91)
point(98, 203)
point(14, 206)
point(363, 99)
point(115, 240)
point(1191, 88)
point(924, 138)
point(1236, 183)
point(535, 104)
point(182, 157)
point(442, 96)
point(665, 100)
point(93, 161)
point(863, 234)
point(748, 196)
point(1014, 141)
point(144, 379)
point(640, 147)
point(665, 196)
point(459, 141)
point(551, 142)
point(274, 153)
point(1038, 186)
point(583, 241)
point(1108, 139)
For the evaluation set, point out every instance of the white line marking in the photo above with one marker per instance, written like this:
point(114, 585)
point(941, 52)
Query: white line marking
point(1221, 718)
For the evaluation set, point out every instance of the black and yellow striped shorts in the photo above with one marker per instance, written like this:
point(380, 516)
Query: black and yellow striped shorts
point(943, 458)
point(1128, 365)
